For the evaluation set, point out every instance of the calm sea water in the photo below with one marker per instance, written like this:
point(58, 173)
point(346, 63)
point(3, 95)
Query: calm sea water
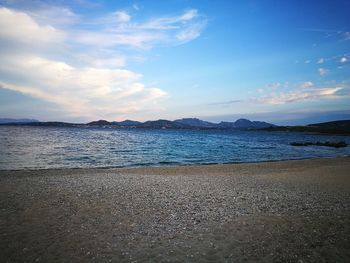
point(47, 147)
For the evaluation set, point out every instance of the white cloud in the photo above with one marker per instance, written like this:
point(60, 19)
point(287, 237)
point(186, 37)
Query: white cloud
point(321, 61)
point(338, 58)
point(283, 98)
point(18, 28)
point(103, 39)
point(305, 92)
point(109, 30)
point(72, 61)
point(44, 62)
point(346, 35)
point(172, 22)
point(343, 59)
point(122, 16)
point(80, 91)
point(306, 85)
point(118, 18)
point(275, 85)
point(118, 29)
point(323, 71)
point(54, 15)
point(189, 15)
point(191, 32)
point(101, 60)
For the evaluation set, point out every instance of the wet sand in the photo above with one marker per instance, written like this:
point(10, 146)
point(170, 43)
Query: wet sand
point(290, 211)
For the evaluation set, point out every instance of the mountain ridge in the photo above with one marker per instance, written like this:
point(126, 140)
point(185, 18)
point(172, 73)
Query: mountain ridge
point(184, 123)
point(340, 127)
point(10, 120)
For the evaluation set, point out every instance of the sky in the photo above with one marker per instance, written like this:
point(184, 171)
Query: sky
point(285, 62)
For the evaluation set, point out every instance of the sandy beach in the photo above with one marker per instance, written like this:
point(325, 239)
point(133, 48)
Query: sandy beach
point(289, 211)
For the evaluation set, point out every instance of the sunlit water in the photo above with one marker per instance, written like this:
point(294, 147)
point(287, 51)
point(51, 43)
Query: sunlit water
point(47, 147)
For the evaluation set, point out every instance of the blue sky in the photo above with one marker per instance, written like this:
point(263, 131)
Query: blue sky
point(287, 62)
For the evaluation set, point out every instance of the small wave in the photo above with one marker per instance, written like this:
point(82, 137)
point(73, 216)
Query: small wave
point(169, 162)
point(209, 163)
point(143, 164)
point(78, 158)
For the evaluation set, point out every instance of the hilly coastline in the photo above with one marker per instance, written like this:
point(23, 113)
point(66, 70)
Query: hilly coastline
point(185, 123)
point(334, 127)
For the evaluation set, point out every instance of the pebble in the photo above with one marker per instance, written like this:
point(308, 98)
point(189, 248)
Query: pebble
point(122, 210)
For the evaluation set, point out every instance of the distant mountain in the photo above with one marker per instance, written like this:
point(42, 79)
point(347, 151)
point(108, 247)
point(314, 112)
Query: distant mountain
point(163, 124)
point(245, 124)
point(332, 127)
point(54, 124)
point(128, 123)
point(226, 125)
point(7, 120)
point(189, 123)
point(343, 125)
point(101, 123)
point(194, 122)
point(185, 123)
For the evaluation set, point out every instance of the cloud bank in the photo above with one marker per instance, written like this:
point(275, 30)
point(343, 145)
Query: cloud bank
point(306, 91)
point(55, 55)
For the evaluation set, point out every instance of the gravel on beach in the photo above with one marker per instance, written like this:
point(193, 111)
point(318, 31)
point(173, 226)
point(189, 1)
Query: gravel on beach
point(288, 211)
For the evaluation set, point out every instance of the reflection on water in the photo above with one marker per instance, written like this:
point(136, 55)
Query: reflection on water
point(48, 147)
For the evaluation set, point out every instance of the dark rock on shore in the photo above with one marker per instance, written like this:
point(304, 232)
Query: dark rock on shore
point(341, 144)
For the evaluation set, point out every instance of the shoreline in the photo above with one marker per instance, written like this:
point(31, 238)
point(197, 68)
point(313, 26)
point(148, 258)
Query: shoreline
point(286, 211)
point(137, 166)
point(283, 129)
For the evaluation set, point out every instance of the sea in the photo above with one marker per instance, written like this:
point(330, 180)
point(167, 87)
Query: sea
point(25, 147)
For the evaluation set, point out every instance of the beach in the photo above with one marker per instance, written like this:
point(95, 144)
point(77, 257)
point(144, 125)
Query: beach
point(285, 211)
